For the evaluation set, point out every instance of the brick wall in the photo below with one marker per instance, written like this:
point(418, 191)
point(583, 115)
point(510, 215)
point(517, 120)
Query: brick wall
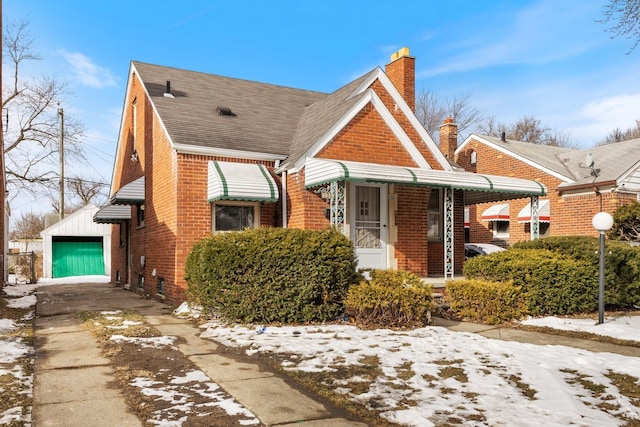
point(570, 215)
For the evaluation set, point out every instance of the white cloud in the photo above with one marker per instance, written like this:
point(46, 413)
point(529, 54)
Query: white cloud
point(87, 72)
point(544, 32)
point(606, 114)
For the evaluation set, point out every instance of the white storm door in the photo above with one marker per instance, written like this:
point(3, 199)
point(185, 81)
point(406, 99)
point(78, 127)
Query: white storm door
point(369, 225)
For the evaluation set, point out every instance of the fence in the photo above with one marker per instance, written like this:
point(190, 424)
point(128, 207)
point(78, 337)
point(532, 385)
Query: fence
point(22, 267)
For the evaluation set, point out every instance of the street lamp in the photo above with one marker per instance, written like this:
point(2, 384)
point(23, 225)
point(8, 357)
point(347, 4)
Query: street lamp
point(602, 222)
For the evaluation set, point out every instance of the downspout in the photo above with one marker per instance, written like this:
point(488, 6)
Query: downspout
point(284, 199)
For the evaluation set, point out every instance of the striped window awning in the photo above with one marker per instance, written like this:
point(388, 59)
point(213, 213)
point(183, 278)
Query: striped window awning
point(129, 194)
point(496, 213)
point(544, 212)
point(112, 214)
point(478, 188)
point(240, 181)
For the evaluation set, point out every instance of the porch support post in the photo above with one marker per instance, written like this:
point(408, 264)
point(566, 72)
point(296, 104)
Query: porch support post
point(448, 233)
point(338, 205)
point(535, 218)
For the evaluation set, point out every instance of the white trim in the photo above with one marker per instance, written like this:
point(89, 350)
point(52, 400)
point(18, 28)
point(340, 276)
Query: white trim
point(514, 155)
point(409, 114)
point(369, 97)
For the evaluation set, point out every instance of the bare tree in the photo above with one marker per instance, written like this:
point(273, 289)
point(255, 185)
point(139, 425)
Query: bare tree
point(619, 135)
point(30, 108)
point(431, 111)
point(624, 19)
point(28, 226)
point(526, 129)
point(87, 191)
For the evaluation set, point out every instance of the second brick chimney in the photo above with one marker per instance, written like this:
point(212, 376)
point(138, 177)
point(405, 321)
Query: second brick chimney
point(402, 73)
point(449, 138)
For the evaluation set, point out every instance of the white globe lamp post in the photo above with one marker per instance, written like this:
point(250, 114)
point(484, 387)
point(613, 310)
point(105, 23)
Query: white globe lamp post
point(602, 222)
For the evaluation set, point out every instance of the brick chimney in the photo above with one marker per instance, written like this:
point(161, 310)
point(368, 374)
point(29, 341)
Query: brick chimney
point(449, 138)
point(402, 73)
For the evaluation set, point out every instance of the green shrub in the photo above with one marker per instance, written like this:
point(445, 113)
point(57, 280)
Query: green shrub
point(622, 264)
point(553, 283)
point(487, 302)
point(272, 274)
point(391, 298)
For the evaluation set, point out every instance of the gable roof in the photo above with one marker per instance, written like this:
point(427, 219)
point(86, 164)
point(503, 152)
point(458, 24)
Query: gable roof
point(269, 121)
point(615, 162)
point(265, 116)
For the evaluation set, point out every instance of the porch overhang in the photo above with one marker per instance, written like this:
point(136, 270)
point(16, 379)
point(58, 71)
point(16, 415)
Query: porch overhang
point(129, 194)
point(112, 214)
point(544, 212)
point(240, 181)
point(478, 188)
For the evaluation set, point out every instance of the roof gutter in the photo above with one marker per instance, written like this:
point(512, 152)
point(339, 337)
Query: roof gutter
point(595, 185)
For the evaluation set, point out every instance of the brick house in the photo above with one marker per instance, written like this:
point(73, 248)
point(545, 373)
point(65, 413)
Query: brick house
point(581, 183)
point(200, 153)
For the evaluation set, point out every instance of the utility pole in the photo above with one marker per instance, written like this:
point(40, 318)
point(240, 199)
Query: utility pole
point(61, 208)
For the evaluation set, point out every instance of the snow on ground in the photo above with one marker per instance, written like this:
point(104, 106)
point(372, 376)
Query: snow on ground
point(624, 327)
point(74, 279)
point(453, 373)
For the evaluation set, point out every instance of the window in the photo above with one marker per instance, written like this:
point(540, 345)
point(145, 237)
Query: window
point(434, 215)
point(474, 157)
point(500, 229)
point(234, 217)
point(543, 230)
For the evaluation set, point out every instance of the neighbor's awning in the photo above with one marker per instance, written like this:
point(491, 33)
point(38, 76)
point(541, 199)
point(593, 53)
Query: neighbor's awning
point(129, 194)
point(544, 212)
point(478, 188)
point(467, 221)
point(112, 214)
point(496, 213)
point(240, 181)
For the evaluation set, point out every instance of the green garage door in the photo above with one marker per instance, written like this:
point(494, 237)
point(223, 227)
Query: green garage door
point(77, 256)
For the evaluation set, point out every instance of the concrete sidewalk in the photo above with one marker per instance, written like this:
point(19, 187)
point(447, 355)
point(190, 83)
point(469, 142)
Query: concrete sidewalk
point(71, 376)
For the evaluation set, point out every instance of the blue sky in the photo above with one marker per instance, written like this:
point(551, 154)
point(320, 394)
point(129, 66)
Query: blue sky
point(544, 58)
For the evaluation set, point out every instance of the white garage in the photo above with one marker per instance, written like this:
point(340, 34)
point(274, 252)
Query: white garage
point(77, 246)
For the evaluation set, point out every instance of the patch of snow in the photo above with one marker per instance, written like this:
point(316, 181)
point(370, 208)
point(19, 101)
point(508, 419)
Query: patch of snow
point(7, 325)
point(18, 290)
point(22, 302)
point(12, 349)
point(14, 415)
point(73, 279)
point(186, 310)
point(145, 342)
point(623, 327)
point(492, 382)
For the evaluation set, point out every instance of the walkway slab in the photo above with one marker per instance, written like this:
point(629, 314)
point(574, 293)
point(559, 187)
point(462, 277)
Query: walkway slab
point(87, 413)
point(61, 385)
point(68, 350)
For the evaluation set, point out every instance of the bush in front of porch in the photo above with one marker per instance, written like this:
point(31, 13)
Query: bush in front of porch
point(270, 275)
point(391, 298)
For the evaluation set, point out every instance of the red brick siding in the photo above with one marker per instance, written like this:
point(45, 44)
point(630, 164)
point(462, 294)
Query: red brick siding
point(570, 215)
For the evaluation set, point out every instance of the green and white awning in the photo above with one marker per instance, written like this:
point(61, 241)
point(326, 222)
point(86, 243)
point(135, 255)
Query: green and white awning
point(478, 188)
point(112, 214)
point(240, 181)
point(129, 194)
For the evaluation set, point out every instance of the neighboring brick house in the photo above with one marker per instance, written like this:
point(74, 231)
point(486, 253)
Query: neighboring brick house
point(580, 184)
point(200, 153)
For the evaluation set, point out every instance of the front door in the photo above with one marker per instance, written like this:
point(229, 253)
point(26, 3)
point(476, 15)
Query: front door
point(369, 225)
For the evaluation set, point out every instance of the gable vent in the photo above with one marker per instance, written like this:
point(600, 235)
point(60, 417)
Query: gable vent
point(225, 111)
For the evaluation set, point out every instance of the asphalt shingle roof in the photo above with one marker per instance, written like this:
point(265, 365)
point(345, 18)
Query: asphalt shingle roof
point(613, 160)
point(266, 117)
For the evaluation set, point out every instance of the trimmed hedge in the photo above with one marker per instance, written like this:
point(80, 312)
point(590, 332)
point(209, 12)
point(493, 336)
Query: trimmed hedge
point(487, 302)
point(622, 264)
point(553, 283)
point(272, 274)
point(391, 298)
